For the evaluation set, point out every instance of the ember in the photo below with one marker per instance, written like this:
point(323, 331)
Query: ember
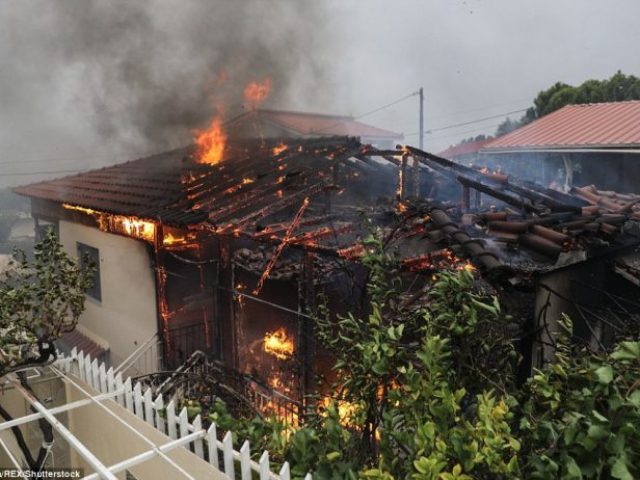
point(169, 239)
point(278, 149)
point(211, 143)
point(278, 344)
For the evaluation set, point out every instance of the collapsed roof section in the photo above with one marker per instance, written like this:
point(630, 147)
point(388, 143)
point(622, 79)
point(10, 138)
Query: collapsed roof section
point(313, 194)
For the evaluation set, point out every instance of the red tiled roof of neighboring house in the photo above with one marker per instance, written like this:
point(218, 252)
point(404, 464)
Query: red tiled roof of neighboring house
point(306, 123)
point(466, 148)
point(594, 125)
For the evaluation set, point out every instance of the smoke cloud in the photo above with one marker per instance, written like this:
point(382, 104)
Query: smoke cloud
point(144, 75)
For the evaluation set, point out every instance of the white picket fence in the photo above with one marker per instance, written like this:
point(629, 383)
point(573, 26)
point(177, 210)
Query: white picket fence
point(220, 454)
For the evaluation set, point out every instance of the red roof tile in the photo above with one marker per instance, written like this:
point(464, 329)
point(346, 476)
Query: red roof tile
point(305, 123)
point(595, 125)
point(466, 148)
point(83, 343)
point(171, 187)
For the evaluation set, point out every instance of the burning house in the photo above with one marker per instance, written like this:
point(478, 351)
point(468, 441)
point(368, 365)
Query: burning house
point(226, 254)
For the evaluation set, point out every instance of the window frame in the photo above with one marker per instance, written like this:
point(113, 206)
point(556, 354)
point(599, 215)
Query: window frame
point(95, 292)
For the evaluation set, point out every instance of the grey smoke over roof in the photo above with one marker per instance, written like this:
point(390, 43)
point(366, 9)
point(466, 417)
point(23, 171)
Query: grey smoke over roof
point(84, 83)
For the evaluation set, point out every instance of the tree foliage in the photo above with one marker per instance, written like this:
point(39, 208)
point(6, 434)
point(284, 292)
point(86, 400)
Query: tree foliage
point(39, 301)
point(427, 393)
point(618, 88)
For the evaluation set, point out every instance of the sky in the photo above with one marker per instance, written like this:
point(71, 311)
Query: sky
point(85, 84)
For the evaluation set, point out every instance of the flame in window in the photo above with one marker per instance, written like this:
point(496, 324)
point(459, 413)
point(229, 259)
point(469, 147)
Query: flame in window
point(279, 344)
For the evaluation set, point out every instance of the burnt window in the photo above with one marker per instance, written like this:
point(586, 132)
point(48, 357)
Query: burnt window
point(91, 255)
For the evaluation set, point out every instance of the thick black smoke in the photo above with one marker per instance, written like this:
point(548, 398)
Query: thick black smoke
point(144, 74)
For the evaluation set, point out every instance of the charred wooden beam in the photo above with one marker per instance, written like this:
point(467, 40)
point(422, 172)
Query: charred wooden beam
point(500, 195)
point(466, 197)
point(285, 240)
point(402, 179)
point(416, 177)
point(277, 228)
point(276, 206)
point(531, 191)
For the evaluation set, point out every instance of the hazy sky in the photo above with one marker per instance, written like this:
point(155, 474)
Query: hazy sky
point(95, 82)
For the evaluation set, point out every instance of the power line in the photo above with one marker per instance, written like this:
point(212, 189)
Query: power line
point(40, 173)
point(386, 106)
point(471, 122)
point(447, 127)
point(366, 114)
point(49, 160)
point(474, 130)
point(487, 107)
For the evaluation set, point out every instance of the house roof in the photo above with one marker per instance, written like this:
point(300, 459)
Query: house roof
point(589, 126)
point(173, 188)
point(317, 124)
point(258, 191)
point(466, 148)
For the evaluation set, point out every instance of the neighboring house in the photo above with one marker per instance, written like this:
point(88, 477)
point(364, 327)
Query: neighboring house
point(576, 145)
point(466, 152)
point(289, 124)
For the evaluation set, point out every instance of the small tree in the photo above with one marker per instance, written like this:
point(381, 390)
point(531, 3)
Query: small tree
point(39, 301)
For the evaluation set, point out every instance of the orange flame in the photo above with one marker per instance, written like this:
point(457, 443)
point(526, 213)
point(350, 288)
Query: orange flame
point(211, 143)
point(279, 148)
point(256, 92)
point(131, 226)
point(278, 344)
point(135, 227)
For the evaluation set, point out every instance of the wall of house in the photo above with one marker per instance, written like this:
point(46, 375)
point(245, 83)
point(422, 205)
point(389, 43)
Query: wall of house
point(112, 441)
point(561, 292)
point(126, 314)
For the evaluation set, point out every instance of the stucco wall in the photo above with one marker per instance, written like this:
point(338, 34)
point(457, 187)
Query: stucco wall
point(126, 315)
point(111, 442)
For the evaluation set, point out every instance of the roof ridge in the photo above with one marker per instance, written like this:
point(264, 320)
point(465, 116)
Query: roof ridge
point(310, 114)
point(591, 104)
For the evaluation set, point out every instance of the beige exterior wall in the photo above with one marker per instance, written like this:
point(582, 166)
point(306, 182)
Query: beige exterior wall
point(112, 441)
point(126, 315)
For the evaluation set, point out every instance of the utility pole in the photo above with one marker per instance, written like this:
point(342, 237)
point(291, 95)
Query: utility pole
point(421, 142)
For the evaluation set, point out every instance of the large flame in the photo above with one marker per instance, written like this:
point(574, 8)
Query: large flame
point(134, 227)
point(278, 344)
point(256, 92)
point(211, 142)
point(131, 226)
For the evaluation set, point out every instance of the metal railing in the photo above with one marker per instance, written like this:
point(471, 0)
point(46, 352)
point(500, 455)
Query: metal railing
point(264, 399)
point(145, 359)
